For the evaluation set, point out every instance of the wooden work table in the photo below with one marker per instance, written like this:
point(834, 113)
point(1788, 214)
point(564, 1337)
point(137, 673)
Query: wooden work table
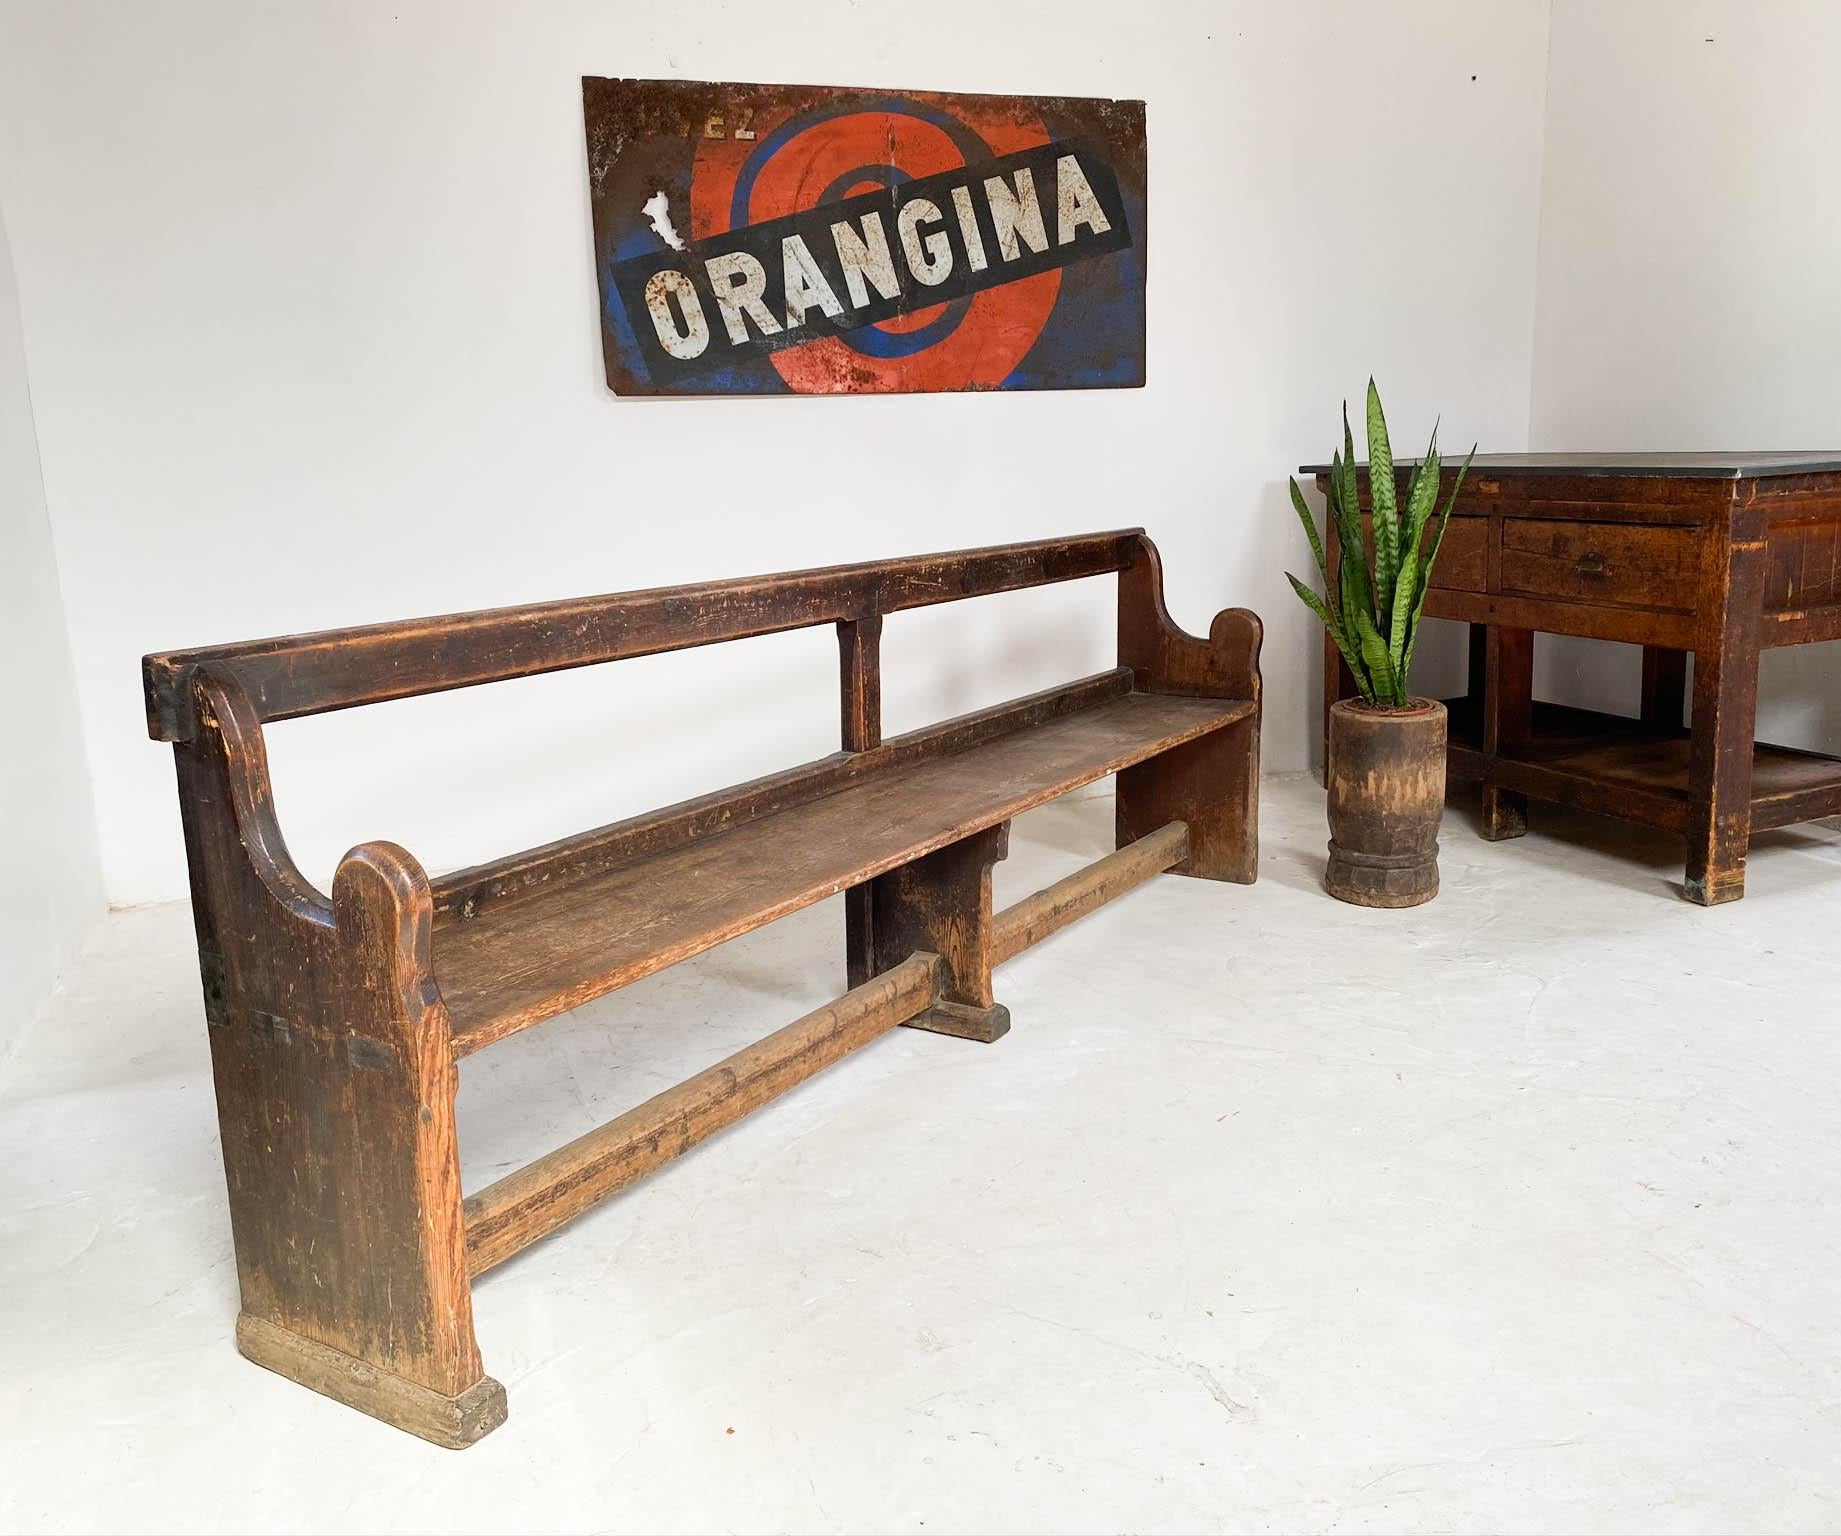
point(1721, 555)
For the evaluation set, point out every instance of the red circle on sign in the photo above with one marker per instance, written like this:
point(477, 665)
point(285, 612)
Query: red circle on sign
point(998, 326)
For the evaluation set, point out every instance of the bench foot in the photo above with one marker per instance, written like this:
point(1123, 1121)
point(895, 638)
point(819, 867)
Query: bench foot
point(986, 1024)
point(453, 1422)
point(941, 905)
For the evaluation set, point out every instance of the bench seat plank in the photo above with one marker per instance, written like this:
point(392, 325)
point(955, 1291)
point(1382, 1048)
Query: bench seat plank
point(523, 960)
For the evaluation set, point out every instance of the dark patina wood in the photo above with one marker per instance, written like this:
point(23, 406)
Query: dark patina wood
point(297, 675)
point(1720, 556)
point(1386, 792)
point(1210, 784)
point(940, 904)
point(337, 1021)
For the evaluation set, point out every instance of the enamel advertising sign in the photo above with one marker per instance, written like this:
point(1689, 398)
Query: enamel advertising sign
point(774, 239)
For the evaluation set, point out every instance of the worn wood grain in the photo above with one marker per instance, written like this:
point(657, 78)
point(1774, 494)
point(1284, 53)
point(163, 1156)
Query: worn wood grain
point(521, 1207)
point(1508, 709)
point(451, 1422)
point(336, 1020)
point(1665, 687)
point(1385, 794)
point(334, 1075)
point(518, 962)
point(940, 903)
point(1599, 562)
point(1725, 709)
point(1636, 770)
point(1720, 565)
point(294, 675)
point(1068, 900)
point(1212, 785)
point(463, 893)
point(859, 645)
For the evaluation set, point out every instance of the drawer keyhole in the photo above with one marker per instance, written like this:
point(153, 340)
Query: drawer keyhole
point(1590, 565)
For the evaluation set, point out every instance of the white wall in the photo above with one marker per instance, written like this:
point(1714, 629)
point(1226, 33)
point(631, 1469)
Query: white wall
point(1690, 268)
point(310, 313)
point(50, 877)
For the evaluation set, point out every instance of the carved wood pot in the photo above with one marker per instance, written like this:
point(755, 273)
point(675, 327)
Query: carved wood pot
point(1386, 779)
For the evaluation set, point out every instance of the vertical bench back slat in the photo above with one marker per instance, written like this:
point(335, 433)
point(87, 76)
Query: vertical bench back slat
point(335, 669)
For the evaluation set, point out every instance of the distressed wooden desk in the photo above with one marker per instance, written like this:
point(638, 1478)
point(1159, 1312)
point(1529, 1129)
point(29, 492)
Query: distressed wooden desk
point(1721, 555)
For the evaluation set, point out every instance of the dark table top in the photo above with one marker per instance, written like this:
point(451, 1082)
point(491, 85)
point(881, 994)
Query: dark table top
point(1674, 466)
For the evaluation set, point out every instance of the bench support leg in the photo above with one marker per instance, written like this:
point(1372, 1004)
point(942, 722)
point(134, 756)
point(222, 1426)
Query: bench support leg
point(859, 650)
point(859, 944)
point(339, 1146)
point(1212, 784)
point(941, 904)
point(335, 1081)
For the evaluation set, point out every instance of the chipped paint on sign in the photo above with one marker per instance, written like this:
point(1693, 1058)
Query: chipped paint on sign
point(756, 239)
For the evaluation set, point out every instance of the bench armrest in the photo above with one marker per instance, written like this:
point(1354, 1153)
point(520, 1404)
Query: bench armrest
point(239, 824)
point(1165, 658)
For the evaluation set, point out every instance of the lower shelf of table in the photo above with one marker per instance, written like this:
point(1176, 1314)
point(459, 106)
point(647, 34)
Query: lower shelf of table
point(1609, 763)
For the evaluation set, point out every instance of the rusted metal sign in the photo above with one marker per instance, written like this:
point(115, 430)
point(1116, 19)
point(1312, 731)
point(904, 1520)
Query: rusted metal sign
point(774, 239)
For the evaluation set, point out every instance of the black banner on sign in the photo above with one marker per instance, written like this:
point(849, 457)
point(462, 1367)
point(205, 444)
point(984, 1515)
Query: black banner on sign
point(869, 258)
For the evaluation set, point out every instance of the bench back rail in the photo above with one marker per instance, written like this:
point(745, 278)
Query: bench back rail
point(295, 675)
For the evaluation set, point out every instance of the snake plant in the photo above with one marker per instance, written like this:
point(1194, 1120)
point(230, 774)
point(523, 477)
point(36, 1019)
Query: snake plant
point(1373, 605)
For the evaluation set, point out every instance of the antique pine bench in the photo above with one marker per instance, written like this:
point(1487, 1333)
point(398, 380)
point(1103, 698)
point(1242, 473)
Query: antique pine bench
point(337, 1022)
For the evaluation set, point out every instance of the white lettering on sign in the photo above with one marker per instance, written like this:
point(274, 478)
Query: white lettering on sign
point(686, 341)
point(1016, 213)
point(1075, 203)
point(866, 256)
point(931, 264)
point(738, 281)
point(805, 283)
point(968, 229)
point(842, 267)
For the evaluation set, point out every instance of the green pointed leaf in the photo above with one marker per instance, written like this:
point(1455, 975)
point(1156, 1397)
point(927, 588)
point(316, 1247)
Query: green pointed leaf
point(1421, 497)
point(1406, 503)
point(1348, 493)
point(1353, 572)
point(1349, 653)
point(1374, 654)
point(1348, 441)
point(1382, 493)
point(1310, 531)
point(1425, 580)
point(1352, 578)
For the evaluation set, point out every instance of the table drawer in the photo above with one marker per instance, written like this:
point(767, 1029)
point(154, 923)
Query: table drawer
point(1630, 565)
point(1463, 559)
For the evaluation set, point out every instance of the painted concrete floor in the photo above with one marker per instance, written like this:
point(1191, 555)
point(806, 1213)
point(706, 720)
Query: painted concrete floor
point(1521, 1211)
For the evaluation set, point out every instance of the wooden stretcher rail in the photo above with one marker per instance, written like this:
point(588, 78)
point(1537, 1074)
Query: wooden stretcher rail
point(308, 674)
point(537, 1199)
point(525, 1206)
point(1034, 918)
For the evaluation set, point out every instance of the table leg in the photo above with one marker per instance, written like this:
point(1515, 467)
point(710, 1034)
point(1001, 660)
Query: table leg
point(1508, 709)
point(1479, 667)
point(1338, 680)
point(1665, 686)
point(1725, 712)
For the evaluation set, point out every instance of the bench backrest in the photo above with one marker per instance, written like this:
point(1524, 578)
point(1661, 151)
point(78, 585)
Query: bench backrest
point(334, 669)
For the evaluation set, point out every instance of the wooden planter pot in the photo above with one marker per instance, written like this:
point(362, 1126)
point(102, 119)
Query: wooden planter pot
point(1386, 778)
